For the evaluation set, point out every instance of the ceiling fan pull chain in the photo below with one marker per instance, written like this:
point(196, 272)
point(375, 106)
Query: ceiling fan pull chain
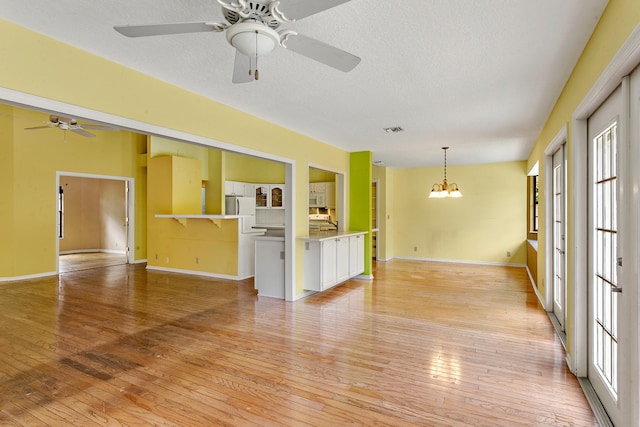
point(257, 74)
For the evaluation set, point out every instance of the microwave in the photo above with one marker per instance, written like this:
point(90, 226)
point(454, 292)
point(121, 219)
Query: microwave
point(317, 200)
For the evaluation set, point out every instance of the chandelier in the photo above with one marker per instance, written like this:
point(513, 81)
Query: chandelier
point(439, 191)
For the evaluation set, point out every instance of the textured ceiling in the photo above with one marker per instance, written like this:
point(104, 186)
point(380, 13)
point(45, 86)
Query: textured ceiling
point(480, 76)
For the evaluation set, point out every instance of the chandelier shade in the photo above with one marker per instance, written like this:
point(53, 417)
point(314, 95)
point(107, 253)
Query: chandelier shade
point(440, 191)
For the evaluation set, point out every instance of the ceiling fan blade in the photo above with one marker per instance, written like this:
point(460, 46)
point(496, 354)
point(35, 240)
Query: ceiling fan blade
point(241, 68)
point(321, 52)
point(162, 29)
point(82, 132)
point(40, 127)
point(298, 9)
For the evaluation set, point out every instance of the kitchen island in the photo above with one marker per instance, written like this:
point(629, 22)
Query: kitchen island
point(332, 257)
point(210, 245)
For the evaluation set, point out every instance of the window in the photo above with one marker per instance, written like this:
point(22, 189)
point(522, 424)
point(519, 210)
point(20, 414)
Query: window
point(533, 185)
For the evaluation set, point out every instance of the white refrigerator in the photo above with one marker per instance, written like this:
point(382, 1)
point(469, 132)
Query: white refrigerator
point(243, 206)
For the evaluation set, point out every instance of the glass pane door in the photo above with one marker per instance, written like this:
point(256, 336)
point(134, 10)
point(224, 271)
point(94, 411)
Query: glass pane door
point(603, 371)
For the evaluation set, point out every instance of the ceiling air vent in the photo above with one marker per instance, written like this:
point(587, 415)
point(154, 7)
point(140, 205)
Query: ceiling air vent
point(394, 129)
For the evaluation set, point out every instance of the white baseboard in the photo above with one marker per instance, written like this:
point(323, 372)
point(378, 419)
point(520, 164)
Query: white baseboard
point(139, 261)
point(27, 277)
point(303, 295)
point(461, 261)
point(535, 288)
point(196, 273)
point(363, 277)
point(89, 251)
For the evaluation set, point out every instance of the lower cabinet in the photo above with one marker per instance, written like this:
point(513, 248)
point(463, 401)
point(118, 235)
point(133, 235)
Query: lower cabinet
point(331, 261)
point(269, 278)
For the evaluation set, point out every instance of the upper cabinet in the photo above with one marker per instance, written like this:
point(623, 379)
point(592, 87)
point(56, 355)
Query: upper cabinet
point(269, 196)
point(175, 185)
point(235, 188)
point(322, 195)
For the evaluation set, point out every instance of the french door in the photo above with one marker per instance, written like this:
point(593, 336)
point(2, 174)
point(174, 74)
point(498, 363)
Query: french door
point(559, 226)
point(604, 369)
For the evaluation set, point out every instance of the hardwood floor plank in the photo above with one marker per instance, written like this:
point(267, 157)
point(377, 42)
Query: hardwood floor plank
point(424, 344)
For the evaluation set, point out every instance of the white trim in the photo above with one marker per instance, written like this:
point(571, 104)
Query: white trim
point(625, 60)
point(90, 251)
point(533, 285)
point(38, 103)
point(27, 277)
point(556, 144)
point(196, 273)
point(341, 179)
point(303, 295)
point(461, 261)
point(130, 195)
point(363, 277)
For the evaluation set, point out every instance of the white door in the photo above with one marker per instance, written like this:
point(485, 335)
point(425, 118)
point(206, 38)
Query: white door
point(604, 369)
point(559, 227)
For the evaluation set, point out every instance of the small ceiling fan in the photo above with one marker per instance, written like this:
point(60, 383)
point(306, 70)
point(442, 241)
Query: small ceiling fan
point(251, 30)
point(72, 125)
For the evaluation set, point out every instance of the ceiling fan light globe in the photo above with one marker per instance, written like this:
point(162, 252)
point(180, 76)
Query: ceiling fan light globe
point(252, 39)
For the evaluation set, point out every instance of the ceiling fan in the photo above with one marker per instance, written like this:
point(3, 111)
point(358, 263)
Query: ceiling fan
point(72, 125)
point(251, 29)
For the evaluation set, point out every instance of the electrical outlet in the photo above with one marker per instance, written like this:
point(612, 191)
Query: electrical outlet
point(508, 253)
point(415, 249)
point(156, 256)
point(197, 260)
point(166, 260)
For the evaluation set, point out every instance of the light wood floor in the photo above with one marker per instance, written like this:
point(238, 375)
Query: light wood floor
point(85, 261)
point(425, 344)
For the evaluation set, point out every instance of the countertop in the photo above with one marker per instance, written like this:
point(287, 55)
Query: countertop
point(196, 216)
point(318, 236)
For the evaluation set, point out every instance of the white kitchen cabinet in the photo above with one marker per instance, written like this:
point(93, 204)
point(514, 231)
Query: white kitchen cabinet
point(329, 261)
point(328, 268)
point(269, 196)
point(236, 188)
point(342, 259)
point(356, 255)
point(326, 192)
point(269, 267)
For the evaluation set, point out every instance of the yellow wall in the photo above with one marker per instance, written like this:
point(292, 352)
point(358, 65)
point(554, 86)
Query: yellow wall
point(29, 172)
point(482, 226)
point(6, 206)
point(319, 175)
point(619, 19)
point(167, 147)
point(78, 78)
point(242, 168)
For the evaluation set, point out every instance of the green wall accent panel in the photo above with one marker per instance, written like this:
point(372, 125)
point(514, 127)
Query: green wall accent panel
point(360, 179)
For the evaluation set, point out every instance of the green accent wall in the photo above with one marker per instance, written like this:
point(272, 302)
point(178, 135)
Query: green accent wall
point(360, 178)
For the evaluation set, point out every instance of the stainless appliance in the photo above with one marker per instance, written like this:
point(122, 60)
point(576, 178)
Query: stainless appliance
point(321, 222)
point(243, 206)
point(317, 200)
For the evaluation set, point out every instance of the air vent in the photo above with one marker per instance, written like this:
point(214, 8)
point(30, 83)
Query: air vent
point(394, 129)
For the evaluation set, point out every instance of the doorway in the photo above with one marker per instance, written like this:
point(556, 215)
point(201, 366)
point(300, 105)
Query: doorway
point(374, 219)
point(93, 221)
point(604, 369)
